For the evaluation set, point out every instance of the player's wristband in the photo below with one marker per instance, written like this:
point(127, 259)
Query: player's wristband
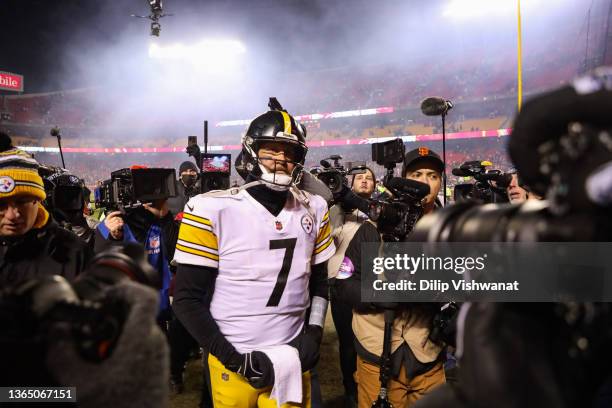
point(318, 311)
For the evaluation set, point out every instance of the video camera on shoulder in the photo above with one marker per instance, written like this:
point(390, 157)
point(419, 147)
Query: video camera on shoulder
point(334, 175)
point(388, 154)
point(131, 187)
point(490, 185)
point(397, 216)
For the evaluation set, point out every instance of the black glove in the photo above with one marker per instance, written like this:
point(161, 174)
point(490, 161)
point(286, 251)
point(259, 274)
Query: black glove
point(444, 326)
point(307, 344)
point(194, 150)
point(257, 368)
point(351, 201)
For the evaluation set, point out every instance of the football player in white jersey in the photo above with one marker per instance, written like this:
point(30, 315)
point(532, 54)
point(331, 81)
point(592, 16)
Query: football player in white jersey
point(251, 283)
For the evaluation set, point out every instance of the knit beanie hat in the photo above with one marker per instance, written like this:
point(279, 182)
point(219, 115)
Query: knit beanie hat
point(19, 175)
point(187, 165)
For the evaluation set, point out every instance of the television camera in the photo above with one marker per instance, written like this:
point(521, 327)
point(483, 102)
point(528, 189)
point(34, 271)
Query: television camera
point(131, 187)
point(490, 184)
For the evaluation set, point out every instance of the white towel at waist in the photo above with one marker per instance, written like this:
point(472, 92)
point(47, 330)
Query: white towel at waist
point(287, 374)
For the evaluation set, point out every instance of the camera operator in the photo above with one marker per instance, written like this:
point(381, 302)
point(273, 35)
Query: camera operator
point(97, 334)
point(345, 225)
point(187, 186)
point(416, 363)
point(425, 165)
point(151, 225)
point(69, 199)
point(31, 243)
point(518, 192)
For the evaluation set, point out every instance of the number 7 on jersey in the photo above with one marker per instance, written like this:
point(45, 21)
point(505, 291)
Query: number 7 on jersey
point(288, 245)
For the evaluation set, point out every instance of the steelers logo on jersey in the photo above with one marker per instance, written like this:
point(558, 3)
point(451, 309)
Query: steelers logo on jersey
point(307, 223)
point(7, 184)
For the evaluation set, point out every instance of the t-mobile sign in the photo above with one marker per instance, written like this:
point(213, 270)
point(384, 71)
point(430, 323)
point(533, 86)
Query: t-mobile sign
point(11, 82)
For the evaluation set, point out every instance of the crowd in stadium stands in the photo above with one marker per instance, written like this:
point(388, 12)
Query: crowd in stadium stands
point(95, 167)
point(486, 85)
point(483, 90)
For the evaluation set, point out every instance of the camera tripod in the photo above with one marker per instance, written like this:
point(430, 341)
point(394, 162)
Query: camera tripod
point(385, 362)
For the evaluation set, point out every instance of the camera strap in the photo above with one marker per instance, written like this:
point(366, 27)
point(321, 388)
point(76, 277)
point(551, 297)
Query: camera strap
point(304, 198)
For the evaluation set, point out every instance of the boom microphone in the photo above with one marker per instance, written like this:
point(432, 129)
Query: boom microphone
point(436, 106)
point(407, 186)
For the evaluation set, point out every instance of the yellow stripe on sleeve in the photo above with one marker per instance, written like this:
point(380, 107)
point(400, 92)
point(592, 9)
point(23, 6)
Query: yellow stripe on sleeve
point(195, 218)
point(197, 252)
point(324, 232)
point(198, 236)
point(324, 246)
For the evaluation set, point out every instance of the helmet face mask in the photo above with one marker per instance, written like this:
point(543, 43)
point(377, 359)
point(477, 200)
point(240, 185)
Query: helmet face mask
point(278, 173)
point(275, 129)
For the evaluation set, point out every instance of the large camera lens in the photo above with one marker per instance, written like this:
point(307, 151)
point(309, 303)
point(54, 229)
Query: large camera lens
point(333, 180)
point(531, 221)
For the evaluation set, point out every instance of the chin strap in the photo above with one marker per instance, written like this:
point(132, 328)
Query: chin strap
point(275, 181)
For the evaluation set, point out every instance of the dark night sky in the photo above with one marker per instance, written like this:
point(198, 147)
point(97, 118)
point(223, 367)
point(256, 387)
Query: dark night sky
point(39, 33)
point(57, 44)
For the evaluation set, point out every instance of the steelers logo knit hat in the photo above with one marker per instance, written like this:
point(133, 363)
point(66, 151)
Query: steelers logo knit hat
point(19, 175)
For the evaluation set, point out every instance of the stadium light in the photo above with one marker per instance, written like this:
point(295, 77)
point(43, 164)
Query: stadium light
point(204, 53)
point(465, 9)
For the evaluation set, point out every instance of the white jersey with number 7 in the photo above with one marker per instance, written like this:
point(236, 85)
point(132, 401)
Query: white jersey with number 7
point(261, 292)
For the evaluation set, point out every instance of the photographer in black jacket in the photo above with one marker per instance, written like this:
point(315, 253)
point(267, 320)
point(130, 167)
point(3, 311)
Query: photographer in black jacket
point(31, 243)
